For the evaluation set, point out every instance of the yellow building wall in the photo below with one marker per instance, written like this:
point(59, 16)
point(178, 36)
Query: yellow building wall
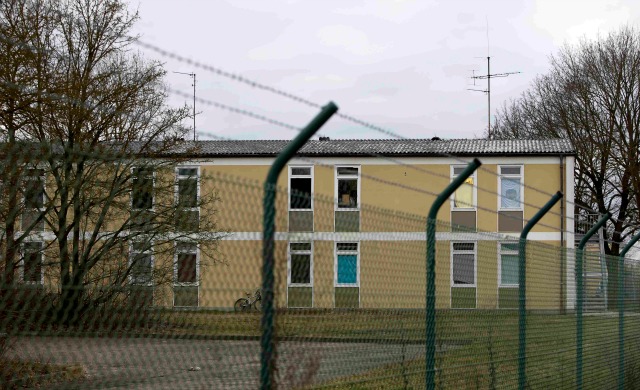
point(392, 273)
point(240, 189)
point(240, 272)
point(487, 275)
point(487, 183)
point(412, 193)
point(546, 179)
point(323, 205)
point(323, 274)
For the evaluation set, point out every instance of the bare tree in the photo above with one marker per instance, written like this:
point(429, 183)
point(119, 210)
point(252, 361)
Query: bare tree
point(25, 27)
point(110, 151)
point(591, 97)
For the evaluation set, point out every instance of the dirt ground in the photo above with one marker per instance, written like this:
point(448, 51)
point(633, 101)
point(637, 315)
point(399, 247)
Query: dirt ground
point(157, 363)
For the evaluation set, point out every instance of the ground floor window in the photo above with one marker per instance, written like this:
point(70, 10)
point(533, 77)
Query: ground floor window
point(509, 264)
point(32, 262)
point(347, 275)
point(463, 264)
point(141, 263)
point(300, 275)
point(186, 274)
point(347, 266)
point(463, 275)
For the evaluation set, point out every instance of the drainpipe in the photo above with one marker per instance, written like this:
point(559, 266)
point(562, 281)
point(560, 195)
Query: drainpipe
point(563, 252)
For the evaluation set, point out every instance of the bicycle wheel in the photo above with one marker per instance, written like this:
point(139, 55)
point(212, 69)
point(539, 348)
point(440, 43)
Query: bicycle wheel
point(258, 305)
point(241, 304)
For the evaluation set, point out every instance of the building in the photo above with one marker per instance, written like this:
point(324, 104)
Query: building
point(350, 224)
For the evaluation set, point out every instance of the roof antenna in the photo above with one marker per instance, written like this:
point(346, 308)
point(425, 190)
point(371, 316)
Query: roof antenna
point(488, 77)
point(193, 76)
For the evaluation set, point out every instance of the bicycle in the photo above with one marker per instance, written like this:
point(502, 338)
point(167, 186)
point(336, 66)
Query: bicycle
point(251, 301)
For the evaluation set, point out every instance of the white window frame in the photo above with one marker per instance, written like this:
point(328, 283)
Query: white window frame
point(131, 255)
point(475, 263)
point(29, 177)
point(177, 187)
point(346, 252)
point(153, 186)
point(175, 265)
point(501, 176)
point(184, 177)
point(300, 252)
point(292, 176)
point(507, 252)
point(359, 183)
point(474, 201)
point(22, 265)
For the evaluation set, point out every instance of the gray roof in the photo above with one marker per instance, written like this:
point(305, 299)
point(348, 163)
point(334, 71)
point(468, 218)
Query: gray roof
point(383, 147)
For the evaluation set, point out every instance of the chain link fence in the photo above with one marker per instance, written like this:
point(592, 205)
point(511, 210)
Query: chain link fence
point(153, 281)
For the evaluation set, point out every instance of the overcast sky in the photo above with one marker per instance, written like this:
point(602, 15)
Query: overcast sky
point(401, 65)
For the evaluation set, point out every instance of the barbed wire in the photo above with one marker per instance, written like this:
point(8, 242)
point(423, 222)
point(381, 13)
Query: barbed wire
point(395, 161)
point(251, 114)
point(241, 79)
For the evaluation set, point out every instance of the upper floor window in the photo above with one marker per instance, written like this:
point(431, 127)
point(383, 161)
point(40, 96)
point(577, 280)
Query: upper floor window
point(510, 187)
point(465, 195)
point(187, 198)
point(300, 188)
point(188, 187)
point(34, 189)
point(348, 187)
point(142, 189)
point(34, 194)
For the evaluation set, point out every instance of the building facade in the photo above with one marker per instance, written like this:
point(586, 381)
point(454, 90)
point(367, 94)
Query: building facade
point(351, 224)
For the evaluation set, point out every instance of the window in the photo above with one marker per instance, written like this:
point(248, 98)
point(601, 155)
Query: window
point(187, 198)
point(463, 264)
point(510, 188)
point(300, 188)
point(465, 195)
point(347, 187)
point(141, 262)
point(32, 262)
point(142, 189)
point(34, 189)
point(347, 267)
point(186, 264)
point(34, 194)
point(300, 264)
point(509, 264)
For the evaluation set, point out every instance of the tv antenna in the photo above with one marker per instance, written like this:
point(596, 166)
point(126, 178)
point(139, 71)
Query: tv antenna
point(192, 75)
point(488, 77)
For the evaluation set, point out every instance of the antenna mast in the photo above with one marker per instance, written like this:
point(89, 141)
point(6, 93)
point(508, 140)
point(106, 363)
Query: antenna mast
point(488, 77)
point(192, 75)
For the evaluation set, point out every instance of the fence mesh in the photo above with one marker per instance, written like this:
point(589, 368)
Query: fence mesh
point(165, 293)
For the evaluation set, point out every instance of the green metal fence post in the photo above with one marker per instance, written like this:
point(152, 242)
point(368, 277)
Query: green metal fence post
point(268, 315)
point(431, 270)
point(522, 289)
point(623, 253)
point(580, 295)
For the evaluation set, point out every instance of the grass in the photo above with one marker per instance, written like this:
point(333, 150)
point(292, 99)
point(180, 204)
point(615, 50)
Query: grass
point(15, 374)
point(477, 349)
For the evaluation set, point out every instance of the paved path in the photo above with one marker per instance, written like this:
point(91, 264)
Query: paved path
point(154, 363)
